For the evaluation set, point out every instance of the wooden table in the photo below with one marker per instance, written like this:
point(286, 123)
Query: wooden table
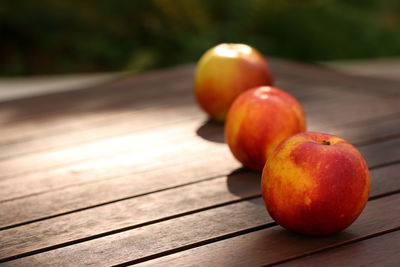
point(131, 172)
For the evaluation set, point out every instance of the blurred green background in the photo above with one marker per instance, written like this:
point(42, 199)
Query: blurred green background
point(70, 36)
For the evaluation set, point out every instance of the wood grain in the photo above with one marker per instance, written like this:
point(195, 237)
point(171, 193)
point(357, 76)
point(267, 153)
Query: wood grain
point(382, 250)
point(116, 174)
point(181, 107)
point(275, 244)
point(36, 166)
point(299, 72)
point(101, 153)
point(130, 213)
point(254, 248)
point(134, 144)
point(385, 180)
point(368, 131)
point(173, 93)
point(85, 195)
point(126, 92)
point(56, 202)
point(375, 153)
point(93, 150)
point(40, 162)
point(127, 123)
point(14, 149)
point(36, 117)
point(349, 111)
point(162, 205)
point(91, 127)
point(40, 182)
point(40, 128)
point(165, 151)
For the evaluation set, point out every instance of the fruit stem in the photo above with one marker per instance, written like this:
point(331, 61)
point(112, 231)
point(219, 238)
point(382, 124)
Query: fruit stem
point(327, 143)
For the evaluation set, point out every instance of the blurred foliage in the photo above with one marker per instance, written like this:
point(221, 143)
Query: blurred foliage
point(59, 36)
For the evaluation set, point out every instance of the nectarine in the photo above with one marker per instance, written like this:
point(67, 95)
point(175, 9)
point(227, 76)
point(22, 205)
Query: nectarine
point(259, 120)
point(224, 72)
point(315, 184)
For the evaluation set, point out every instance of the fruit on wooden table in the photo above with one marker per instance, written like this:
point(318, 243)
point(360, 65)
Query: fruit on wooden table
point(225, 71)
point(258, 121)
point(315, 184)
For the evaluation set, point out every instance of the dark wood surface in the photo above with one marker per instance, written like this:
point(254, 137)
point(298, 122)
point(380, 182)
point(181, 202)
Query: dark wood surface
point(133, 172)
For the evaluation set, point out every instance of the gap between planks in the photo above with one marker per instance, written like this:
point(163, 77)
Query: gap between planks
point(328, 248)
point(372, 251)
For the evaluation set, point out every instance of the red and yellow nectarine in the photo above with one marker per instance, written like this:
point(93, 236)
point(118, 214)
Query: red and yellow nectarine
point(315, 184)
point(259, 120)
point(224, 72)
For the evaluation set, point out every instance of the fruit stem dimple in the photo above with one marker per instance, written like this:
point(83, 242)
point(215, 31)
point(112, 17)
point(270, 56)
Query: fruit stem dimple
point(327, 143)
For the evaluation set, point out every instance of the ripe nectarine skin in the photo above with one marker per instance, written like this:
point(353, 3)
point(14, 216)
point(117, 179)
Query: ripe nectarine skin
point(315, 184)
point(224, 72)
point(259, 120)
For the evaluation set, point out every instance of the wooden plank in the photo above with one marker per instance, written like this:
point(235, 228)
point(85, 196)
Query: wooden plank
point(23, 87)
point(155, 177)
point(370, 85)
point(270, 245)
point(385, 68)
point(129, 164)
point(166, 204)
point(382, 250)
point(51, 203)
point(166, 150)
point(41, 128)
point(35, 183)
point(66, 179)
point(348, 110)
point(44, 126)
point(58, 124)
point(71, 116)
point(256, 247)
point(107, 96)
point(13, 166)
point(16, 141)
point(375, 153)
point(139, 92)
point(151, 141)
point(357, 133)
point(55, 202)
point(33, 163)
point(35, 137)
point(122, 93)
point(132, 212)
point(70, 155)
point(385, 180)
point(364, 132)
point(81, 133)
